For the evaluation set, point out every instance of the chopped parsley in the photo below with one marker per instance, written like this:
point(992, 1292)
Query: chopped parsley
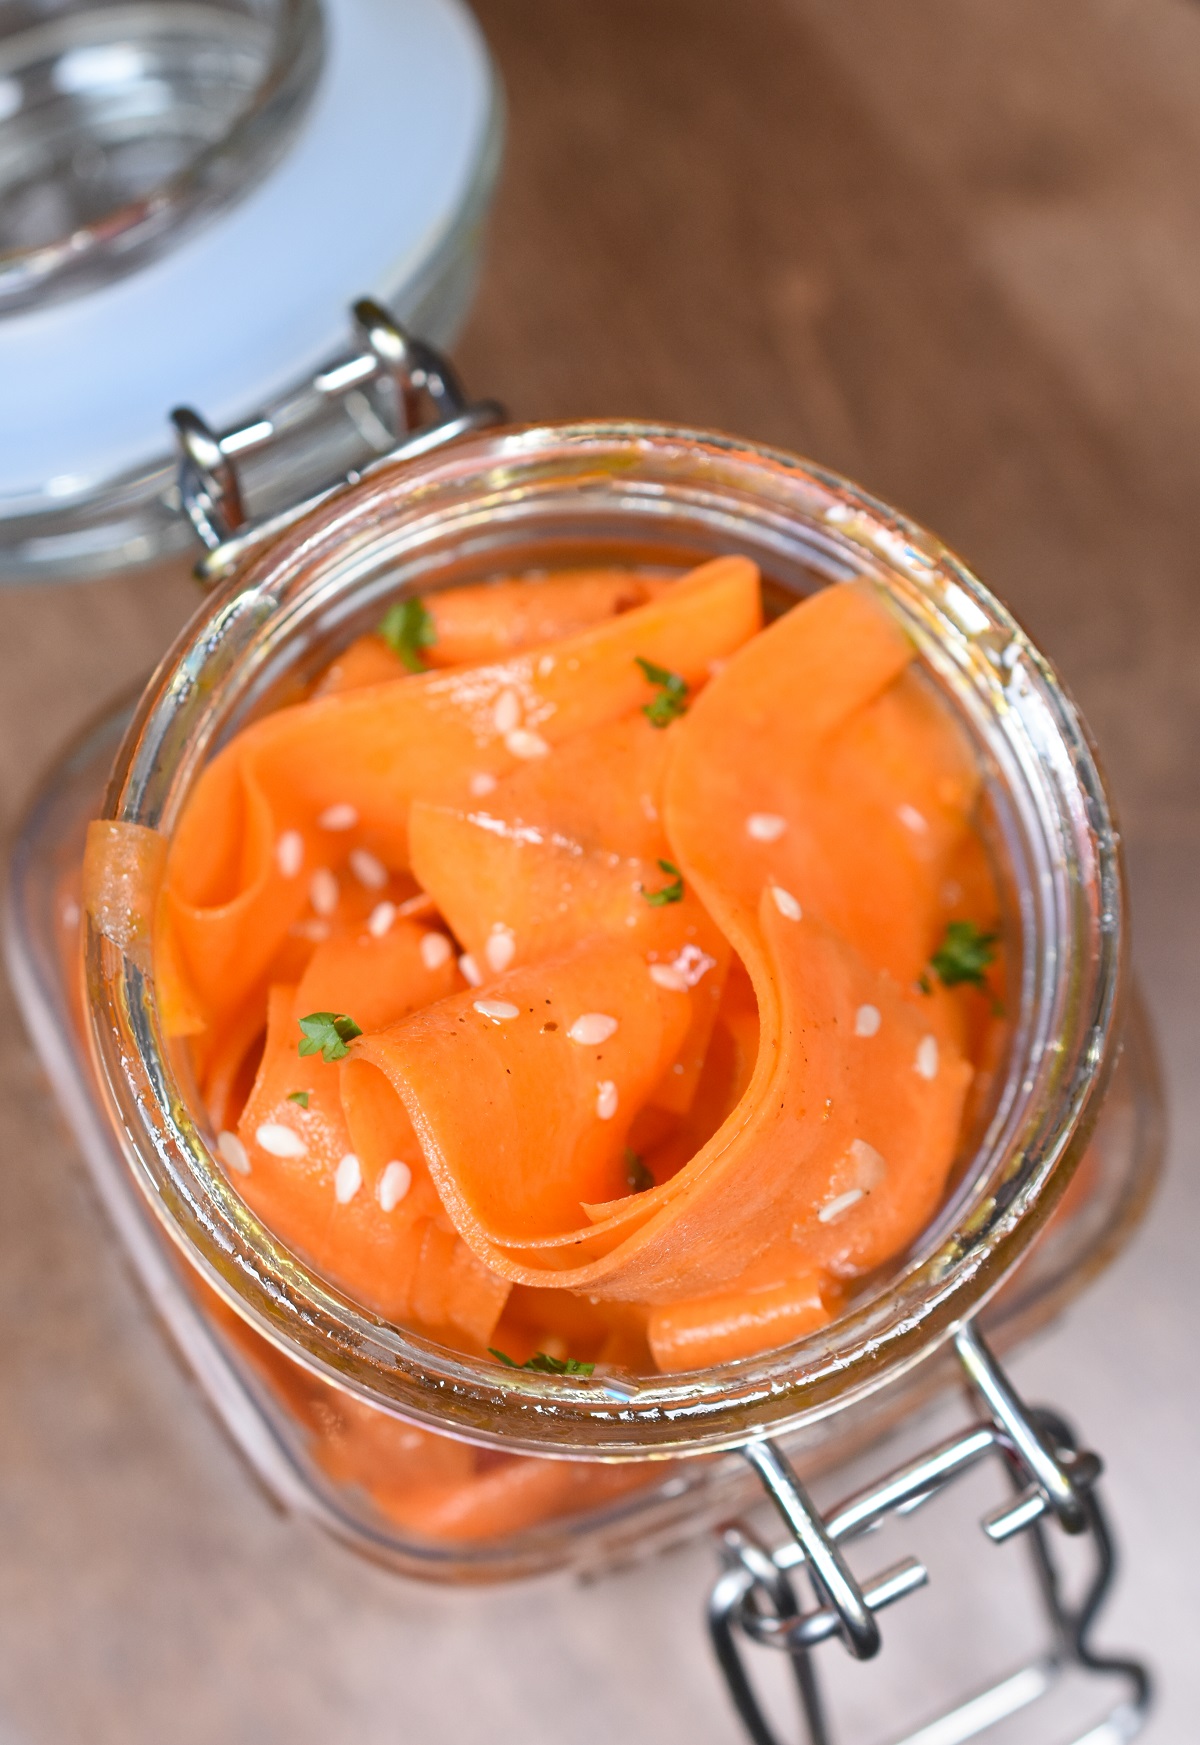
point(327, 1033)
point(636, 1173)
point(672, 694)
point(672, 893)
point(964, 954)
point(300, 1097)
point(543, 1363)
point(407, 628)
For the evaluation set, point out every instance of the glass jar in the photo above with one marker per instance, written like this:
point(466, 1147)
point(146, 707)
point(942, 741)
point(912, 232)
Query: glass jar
point(333, 1405)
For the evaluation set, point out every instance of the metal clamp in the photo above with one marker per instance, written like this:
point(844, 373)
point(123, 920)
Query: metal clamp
point(754, 1598)
point(400, 396)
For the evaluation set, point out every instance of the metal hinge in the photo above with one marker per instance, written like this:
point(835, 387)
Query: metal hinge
point(401, 394)
point(755, 1598)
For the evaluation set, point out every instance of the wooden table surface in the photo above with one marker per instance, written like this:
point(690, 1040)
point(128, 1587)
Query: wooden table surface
point(951, 248)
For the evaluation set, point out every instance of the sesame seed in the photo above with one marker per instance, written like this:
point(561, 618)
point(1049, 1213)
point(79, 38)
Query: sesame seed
point(522, 743)
point(394, 1183)
point(289, 853)
point(368, 869)
point(435, 950)
point(481, 783)
point(867, 1021)
point(912, 819)
point(232, 1152)
point(926, 1062)
point(834, 1208)
point(379, 921)
point(314, 930)
point(506, 711)
point(70, 913)
point(869, 1167)
point(499, 1011)
point(665, 975)
point(689, 968)
point(339, 817)
point(347, 1179)
point(765, 826)
point(649, 808)
point(470, 969)
point(545, 666)
point(786, 903)
point(323, 891)
point(592, 1028)
point(606, 1099)
point(280, 1141)
point(501, 947)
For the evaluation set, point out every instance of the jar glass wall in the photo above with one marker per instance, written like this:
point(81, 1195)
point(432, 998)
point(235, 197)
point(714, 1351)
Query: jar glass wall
point(336, 1390)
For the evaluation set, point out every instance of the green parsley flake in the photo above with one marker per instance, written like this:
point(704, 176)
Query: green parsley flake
point(636, 1173)
point(672, 695)
point(327, 1033)
point(300, 1097)
point(964, 954)
point(543, 1364)
point(407, 628)
point(672, 893)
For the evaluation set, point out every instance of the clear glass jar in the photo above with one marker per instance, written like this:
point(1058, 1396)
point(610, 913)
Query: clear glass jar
point(322, 1394)
point(120, 128)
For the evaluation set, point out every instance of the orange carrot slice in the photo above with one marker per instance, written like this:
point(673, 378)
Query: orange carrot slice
point(240, 869)
point(474, 624)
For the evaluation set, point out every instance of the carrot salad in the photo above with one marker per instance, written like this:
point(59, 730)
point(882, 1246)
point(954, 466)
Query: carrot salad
point(587, 973)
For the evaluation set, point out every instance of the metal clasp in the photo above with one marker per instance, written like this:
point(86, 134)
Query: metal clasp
point(755, 1598)
point(399, 394)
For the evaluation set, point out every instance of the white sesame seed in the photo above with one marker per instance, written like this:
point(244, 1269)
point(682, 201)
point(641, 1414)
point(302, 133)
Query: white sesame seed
point(379, 921)
point(280, 1141)
point(912, 819)
point(481, 783)
point(665, 975)
point(347, 1179)
point(435, 950)
point(869, 1167)
point(685, 971)
point(470, 969)
point(606, 1099)
point(323, 891)
point(231, 1151)
point(765, 826)
point(834, 1208)
point(522, 743)
point(545, 666)
point(394, 1183)
point(592, 1028)
point(506, 711)
point(70, 913)
point(786, 903)
point(368, 869)
point(649, 808)
point(314, 930)
point(926, 1062)
point(339, 817)
point(867, 1021)
point(499, 1011)
point(289, 853)
point(501, 948)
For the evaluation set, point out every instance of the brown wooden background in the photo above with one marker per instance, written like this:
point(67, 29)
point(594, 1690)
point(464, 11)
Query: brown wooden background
point(950, 247)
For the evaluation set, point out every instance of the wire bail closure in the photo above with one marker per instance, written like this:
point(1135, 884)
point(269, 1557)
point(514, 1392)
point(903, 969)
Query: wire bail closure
point(417, 403)
point(755, 1597)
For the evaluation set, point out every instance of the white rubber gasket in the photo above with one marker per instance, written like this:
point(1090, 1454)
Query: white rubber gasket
point(246, 306)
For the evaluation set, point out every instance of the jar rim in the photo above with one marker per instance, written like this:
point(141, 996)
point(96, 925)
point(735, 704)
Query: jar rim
point(655, 484)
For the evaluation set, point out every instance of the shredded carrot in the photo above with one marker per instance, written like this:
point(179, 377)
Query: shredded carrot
point(629, 905)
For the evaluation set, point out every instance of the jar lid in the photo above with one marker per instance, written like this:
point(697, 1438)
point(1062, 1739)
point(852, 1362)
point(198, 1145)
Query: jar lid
point(381, 188)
